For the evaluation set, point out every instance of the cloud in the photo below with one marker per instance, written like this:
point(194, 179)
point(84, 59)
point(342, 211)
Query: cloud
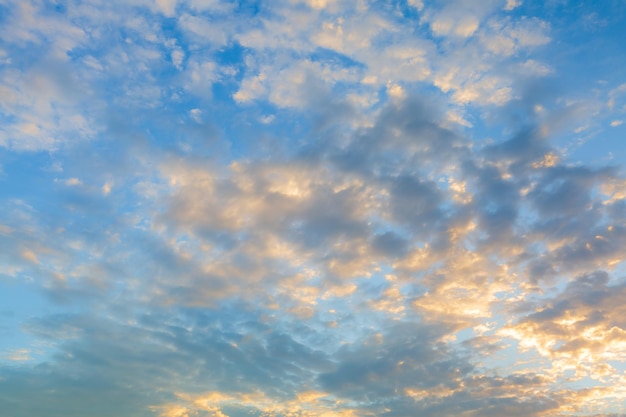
point(458, 19)
point(308, 208)
point(579, 329)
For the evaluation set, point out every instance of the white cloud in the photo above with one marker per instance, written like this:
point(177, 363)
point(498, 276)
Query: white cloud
point(167, 7)
point(446, 25)
point(512, 4)
point(395, 91)
point(202, 31)
point(196, 115)
point(219, 6)
point(72, 182)
point(178, 56)
point(17, 355)
point(200, 76)
point(418, 4)
point(320, 4)
point(251, 88)
point(106, 188)
point(267, 119)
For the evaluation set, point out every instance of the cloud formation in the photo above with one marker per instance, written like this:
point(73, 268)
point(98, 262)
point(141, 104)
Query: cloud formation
point(311, 208)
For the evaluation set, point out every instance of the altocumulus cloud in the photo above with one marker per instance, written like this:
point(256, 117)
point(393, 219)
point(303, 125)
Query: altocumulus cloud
point(312, 208)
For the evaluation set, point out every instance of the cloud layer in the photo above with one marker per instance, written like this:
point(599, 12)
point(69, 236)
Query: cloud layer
point(311, 208)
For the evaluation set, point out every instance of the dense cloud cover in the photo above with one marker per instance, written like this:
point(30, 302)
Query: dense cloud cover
point(301, 208)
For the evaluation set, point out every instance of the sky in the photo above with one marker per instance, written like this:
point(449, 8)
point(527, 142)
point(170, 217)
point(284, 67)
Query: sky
point(312, 208)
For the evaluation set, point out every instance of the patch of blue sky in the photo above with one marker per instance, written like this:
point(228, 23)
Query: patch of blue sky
point(21, 301)
point(35, 173)
point(334, 58)
point(4, 12)
point(265, 129)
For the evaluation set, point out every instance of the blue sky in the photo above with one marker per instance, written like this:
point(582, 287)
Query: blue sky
point(300, 208)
